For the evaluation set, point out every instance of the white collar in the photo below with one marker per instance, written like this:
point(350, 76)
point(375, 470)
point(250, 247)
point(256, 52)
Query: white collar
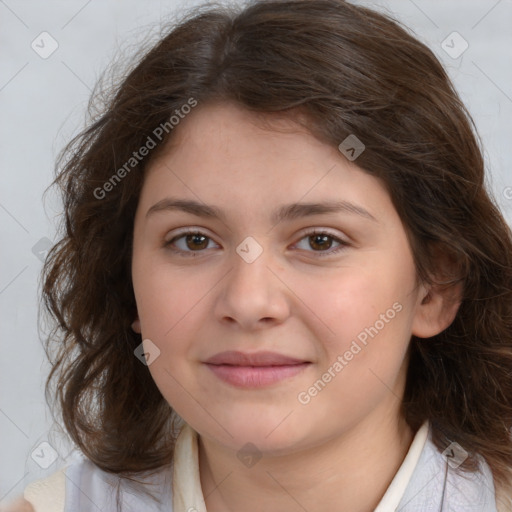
point(396, 489)
point(186, 483)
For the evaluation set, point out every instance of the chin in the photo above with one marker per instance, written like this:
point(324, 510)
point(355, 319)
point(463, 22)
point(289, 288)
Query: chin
point(271, 436)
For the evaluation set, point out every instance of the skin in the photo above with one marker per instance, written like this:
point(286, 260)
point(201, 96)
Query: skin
point(19, 505)
point(341, 450)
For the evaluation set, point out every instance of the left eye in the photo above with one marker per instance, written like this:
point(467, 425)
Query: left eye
point(195, 241)
point(323, 242)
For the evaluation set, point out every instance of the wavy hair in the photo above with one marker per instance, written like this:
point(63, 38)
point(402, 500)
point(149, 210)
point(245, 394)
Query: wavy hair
point(347, 70)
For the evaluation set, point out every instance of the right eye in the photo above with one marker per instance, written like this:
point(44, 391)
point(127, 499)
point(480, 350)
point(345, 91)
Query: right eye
point(188, 242)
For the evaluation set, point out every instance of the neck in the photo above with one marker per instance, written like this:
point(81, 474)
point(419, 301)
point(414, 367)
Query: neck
point(349, 472)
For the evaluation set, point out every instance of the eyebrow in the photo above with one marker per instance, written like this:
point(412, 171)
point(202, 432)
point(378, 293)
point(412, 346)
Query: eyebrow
point(286, 212)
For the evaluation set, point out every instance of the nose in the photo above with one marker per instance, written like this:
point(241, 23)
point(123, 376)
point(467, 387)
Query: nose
point(252, 295)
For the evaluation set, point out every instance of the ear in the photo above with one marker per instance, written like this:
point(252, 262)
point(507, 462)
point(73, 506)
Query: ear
point(136, 326)
point(438, 303)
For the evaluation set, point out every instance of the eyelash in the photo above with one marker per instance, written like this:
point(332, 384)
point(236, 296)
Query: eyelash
point(342, 246)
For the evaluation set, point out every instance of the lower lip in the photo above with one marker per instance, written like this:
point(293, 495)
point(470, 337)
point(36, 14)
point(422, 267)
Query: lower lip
point(255, 376)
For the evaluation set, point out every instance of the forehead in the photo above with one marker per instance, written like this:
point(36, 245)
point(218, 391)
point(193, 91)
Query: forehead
point(226, 155)
point(220, 126)
point(225, 138)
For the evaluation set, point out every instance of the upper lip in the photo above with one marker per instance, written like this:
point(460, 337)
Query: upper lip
point(236, 358)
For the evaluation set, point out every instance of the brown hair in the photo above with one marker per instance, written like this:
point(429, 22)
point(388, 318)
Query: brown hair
point(348, 70)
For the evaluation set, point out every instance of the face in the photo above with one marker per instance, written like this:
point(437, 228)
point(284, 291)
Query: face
point(333, 290)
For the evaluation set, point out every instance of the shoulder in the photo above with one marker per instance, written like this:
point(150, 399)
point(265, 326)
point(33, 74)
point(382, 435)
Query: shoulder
point(438, 480)
point(81, 483)
point(20, 505)
point(54, 494)
point(51, 494)
point(46, 494)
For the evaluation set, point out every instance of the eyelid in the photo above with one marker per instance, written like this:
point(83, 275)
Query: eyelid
point(301, 233)
point(311, 231)
point(188, 229)
point(323, 231)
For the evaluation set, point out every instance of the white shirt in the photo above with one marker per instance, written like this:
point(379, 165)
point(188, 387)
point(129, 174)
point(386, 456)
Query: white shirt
point(83, 486)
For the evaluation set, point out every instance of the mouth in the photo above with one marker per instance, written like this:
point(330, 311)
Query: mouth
point(255, 370)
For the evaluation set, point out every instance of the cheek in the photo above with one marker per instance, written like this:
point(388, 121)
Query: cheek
point(367, 317)
point(364, 360)
point(168, 307)
point(166, 297)
point(344, 304)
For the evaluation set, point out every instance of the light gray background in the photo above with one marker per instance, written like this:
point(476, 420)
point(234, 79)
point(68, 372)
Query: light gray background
point(43, 103)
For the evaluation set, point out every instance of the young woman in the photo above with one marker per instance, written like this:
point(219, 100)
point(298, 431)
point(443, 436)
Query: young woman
point(281, 283)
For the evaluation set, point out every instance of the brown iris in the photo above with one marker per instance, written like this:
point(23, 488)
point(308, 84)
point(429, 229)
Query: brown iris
point(320, 241)
point(193, 238)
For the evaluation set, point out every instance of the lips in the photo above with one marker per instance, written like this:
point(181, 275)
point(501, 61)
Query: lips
point(256, 370)
point(235, 358)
